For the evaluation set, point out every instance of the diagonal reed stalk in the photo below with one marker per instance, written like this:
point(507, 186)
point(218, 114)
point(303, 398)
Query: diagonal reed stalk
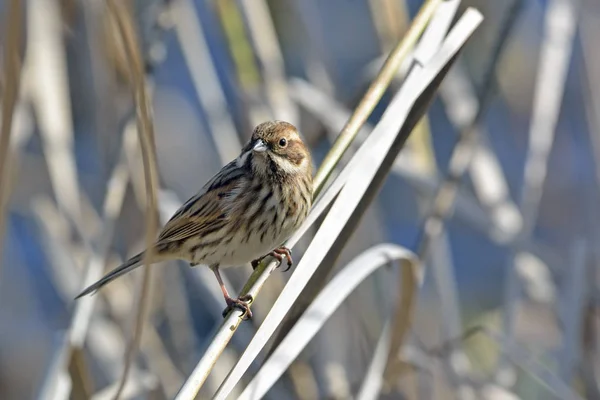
point(374, 94)
point(361, 180)
point(191, 388)
point(428, 44)
point(126, 29)
point(344, 140)
point(11, 79)
point(370, 99)
point(326, 303)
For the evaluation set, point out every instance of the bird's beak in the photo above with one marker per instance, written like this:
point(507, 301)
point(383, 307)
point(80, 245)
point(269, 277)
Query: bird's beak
point(259, 146)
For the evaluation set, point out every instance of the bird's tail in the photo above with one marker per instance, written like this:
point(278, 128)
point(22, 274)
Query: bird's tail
point(128, 266)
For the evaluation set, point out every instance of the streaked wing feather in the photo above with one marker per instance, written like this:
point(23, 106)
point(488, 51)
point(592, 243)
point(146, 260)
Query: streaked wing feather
point(185, 229)
point(206, 209)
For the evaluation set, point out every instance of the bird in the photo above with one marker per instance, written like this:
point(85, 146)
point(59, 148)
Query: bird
point(243, 214)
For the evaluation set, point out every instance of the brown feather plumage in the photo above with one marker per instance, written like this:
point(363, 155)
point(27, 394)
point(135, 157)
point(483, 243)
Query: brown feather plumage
point(246, 211)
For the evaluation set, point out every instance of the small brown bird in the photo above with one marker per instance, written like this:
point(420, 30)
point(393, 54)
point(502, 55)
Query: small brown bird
point(244, 213)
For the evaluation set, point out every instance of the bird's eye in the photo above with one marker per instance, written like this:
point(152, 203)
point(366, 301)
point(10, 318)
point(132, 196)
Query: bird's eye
point(282, 142)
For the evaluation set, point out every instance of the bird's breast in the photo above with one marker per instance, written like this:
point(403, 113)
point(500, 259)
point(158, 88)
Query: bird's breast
point(265, 216)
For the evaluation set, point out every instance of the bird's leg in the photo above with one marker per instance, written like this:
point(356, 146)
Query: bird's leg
point(241, 302)
point(279, 254)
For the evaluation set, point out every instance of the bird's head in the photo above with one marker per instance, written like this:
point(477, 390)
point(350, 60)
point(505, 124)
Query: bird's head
point(277, 148)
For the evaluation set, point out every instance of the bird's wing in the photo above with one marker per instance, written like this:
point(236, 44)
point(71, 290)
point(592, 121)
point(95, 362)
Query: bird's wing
point(205, 211)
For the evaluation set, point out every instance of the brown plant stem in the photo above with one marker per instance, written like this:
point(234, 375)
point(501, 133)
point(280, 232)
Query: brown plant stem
point(124, 22)
point(11, 79)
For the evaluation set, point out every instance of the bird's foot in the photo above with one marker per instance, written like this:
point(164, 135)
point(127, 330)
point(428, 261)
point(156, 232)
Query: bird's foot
point(242, 302)
point(279, 254)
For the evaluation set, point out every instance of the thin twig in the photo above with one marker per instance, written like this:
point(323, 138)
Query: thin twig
point(523, 357)
point(126, 28)
point(446, 347)
point(10, 92)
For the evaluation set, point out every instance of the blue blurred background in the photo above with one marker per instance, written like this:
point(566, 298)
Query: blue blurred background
point(216, 69)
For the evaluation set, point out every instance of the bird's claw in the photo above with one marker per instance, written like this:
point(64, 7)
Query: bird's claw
point(242, 303)
point(279, 254)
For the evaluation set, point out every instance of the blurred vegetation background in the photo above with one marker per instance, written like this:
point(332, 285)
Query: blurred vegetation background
point(518, 252)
